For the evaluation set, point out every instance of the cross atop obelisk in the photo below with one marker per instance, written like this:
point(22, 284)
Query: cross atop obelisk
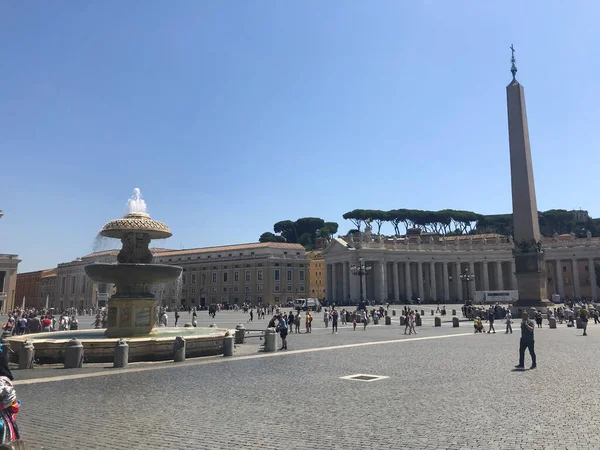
point(529, 255)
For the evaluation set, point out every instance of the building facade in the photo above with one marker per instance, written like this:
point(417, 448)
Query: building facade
point(28, 289)
point(8, 281)
point(317, 275)
point(48, 287)
point(257, 273)
point(429, 268)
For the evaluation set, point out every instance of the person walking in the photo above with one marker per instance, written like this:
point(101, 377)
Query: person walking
point(527, 342)
point(584, 315)
point(297, 322)
point(334, 321)
point(364, 319)
point(412, 322)
point(508, 322)
point(283, 331)
point(176, 317)
point(407, 322)
point(491, 321)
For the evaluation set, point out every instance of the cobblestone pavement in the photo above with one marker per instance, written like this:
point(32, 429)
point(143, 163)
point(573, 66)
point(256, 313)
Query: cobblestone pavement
point(447, 389)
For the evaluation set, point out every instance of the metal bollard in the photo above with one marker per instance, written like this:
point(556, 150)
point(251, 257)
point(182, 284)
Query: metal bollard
point(388, 320)
point(453, 312)
point(422, 313)
point(74, 354)
point(402, 320)
point(432, 313)
point(552, 322)
point(270, 340)
point(455, 322)
point(438, 321)
point(393, 312)
point(240, 333)
point(179, 349)
point(26, 355)
point(418, 320)
point(228, 346)
point(121, 354)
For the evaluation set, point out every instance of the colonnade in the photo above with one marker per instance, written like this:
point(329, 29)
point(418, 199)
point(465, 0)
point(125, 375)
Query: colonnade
point(435, 280)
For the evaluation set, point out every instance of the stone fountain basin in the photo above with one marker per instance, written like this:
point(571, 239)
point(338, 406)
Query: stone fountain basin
point(140, 274)
point(97, 348)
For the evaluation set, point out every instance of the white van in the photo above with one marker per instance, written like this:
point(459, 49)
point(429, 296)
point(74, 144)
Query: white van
point(305, 304)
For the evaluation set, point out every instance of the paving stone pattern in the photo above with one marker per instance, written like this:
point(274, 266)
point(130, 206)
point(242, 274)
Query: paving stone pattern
point(448, 393)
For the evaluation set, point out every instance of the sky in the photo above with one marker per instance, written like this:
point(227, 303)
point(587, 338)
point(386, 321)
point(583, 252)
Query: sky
point(233, 115)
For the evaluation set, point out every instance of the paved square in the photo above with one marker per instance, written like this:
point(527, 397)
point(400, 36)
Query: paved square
point(447, 389)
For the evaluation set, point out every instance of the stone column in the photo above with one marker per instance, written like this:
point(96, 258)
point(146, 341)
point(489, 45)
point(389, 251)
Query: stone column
point(513, 276)
point(576, 285)
point(345, 271)
point(592, 273)
point(446, 282)
point(485, 275)
point(559, 278)
point(382, 281)
point(420, 280)
point(472, 286)
point(499, 281)
point(432, 281)
point(364, 286)
point(333, 284)
point(396, 283)
point(408, 279)
point(458, 283)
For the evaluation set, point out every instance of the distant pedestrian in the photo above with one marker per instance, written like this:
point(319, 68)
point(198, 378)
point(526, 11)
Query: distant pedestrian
point(584, 316)
point(508, 321)
point(291, 320)
point(251, 315)
point(297, 322)
point(176, 317)
point(334, 321)
point(282, 327)
point(411, 323)
point(527, 342)
point(364, 319)
point(491, 321)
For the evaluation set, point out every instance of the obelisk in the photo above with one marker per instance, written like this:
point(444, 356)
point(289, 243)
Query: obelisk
point(528, 251)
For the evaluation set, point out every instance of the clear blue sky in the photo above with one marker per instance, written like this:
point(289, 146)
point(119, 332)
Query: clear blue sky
point(233, 115)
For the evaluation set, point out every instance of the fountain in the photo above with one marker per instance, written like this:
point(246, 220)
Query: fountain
point(132, 310)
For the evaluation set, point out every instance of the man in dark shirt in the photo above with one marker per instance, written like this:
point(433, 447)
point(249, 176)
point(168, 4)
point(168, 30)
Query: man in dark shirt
point(527, 342)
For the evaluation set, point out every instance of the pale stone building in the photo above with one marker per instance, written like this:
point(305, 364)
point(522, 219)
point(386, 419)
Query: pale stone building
point(8, 281)
point(428, 267)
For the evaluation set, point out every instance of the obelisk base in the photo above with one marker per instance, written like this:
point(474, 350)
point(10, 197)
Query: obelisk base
point(531, 281)
point(128, 317)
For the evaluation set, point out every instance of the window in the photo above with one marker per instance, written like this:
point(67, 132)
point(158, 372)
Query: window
point(193, 278)
point(224, 277)
point(276, 288)
point(236, 289)
point(214, 277)
point(289, 288)
point(259, 275)
point(300, 288)
point(247, 275)
point(247, 288)
point(564, 268)
point(301, 275)
point(214, 290)
point(288, 298)
point(184, 291)
point(259, 288)
point(276, 274)
point(203, 278)
point(276, 299)
point(259, 299)
point(224, 288)
point(289, 275)
point(183, 279)
point(236, 276)
point(193, 291)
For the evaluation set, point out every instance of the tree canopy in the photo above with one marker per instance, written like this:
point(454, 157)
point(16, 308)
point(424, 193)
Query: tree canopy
point(452, 222)
point(304, 231)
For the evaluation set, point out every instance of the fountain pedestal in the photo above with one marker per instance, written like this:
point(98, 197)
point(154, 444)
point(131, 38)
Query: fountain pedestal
point(131, 317)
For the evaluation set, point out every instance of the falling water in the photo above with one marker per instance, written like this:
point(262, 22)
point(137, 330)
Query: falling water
point(102, 243)
point(136, 205)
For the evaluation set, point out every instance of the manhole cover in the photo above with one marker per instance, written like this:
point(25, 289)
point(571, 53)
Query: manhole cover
point(364, 377)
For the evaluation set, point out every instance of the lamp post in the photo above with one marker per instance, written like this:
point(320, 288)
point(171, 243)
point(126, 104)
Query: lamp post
point(361, 269)
point(467, 277)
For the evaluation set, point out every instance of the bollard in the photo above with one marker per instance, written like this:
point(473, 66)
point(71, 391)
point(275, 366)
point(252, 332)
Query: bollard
point(418, 320)
point(213, 325)
point(228, 346)
point(179, 349)
point(375, 320)
point(240, 333)
point(402, 320)
point(438, 321)
point(552, 322)
point(393, 312)
point(26, 355)
point(453, 312)
point(422, 312)
point(432, 313)
point(579, 323)
point(270, 340)
point(455, 322)
point(388, 320)
point(74, 354)
point(121, 354)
